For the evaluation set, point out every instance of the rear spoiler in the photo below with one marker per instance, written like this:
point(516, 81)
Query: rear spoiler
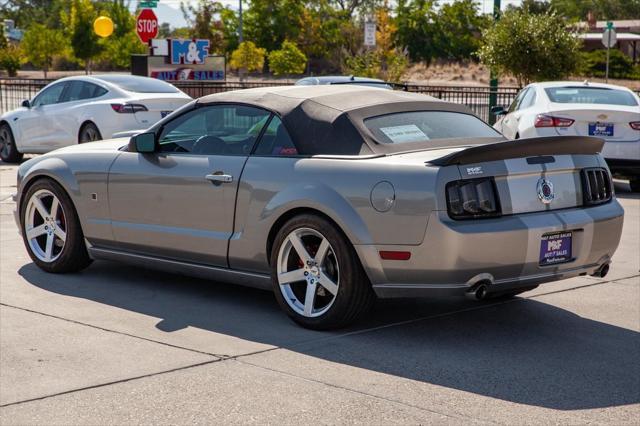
point(548, 145)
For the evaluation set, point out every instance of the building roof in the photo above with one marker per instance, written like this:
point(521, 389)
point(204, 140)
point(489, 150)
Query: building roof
point(619, 36)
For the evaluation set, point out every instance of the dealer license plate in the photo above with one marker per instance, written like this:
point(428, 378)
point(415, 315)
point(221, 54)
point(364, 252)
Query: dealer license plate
point(555, 248)
point(600, 129)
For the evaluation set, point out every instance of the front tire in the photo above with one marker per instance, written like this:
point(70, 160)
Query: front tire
point(89, 133)
point(51, 230)
point(317, 277)
point(8, 151)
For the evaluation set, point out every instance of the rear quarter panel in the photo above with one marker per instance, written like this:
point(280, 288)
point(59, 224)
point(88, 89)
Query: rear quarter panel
point(338, 188)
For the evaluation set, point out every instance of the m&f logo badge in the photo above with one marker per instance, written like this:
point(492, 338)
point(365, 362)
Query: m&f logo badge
point(189, 51)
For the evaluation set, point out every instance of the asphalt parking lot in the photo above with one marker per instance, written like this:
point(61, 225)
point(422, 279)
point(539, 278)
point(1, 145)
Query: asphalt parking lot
point(120, 345)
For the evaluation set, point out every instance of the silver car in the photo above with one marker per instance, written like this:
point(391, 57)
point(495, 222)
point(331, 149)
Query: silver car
point(330, 196)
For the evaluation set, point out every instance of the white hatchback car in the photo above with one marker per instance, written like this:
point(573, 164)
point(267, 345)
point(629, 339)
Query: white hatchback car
point(580, 109)
point(83, 109)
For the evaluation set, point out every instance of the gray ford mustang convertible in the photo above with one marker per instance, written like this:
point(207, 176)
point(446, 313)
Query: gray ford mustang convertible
point(330, 195)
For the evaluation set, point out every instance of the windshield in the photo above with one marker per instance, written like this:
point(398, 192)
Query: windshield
point(421, 126)
point(139, 84)
point(590, 95)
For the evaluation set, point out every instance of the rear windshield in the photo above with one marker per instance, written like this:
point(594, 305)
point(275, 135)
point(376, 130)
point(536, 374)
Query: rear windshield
point(139, 84)
point(590, 95)
point(421, 126)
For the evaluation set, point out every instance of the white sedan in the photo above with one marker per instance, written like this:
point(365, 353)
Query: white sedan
point(582, 109)
point(83, 109)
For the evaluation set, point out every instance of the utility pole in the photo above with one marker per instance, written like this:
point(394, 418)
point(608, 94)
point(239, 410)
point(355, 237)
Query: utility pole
point(493, 82)
point(240, 21)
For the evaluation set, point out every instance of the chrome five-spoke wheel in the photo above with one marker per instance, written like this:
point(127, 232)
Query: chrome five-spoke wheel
point(308, 272)
point(45, 225)
point(317, 277)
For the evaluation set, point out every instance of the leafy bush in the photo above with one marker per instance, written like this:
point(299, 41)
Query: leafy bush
point(288, 60)
point(40, 44)
point(248, 56)
point(10, 59)
point(594, 64)
point(531, 47)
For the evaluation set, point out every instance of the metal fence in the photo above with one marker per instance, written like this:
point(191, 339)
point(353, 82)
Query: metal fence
point(13, 91)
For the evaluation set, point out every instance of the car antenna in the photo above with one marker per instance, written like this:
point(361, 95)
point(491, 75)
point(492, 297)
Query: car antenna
point(351, 77)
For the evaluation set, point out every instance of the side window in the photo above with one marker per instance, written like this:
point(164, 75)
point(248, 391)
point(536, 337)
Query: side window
point(214, 130)
point(528, 99)
point(516, 101)
point(50, 95)
point(78, 90)
point(276, 140)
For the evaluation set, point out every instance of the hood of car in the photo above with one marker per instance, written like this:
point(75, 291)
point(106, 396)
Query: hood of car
point(105, 145)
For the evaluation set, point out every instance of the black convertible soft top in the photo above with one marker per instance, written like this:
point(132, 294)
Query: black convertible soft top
point(329, 120)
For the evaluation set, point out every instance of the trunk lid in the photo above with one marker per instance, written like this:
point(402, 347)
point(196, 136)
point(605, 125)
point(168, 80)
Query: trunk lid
point(158, 106)
point(519, 169)
point(609, 123)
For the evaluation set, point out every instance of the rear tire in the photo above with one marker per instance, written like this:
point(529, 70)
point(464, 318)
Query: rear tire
point(51, 230)
point(634, 183)
point(88, 133)
point(325, 287)
point(8, 151)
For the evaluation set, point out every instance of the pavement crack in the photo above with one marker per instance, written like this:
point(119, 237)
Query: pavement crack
point(457, 416)
point(114, 382)
point(219, 356)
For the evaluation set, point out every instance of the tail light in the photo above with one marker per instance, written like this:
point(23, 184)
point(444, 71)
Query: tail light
point(128, 108)
point(635, 125)
point(543, 120)
point(472, 198)
point(596, 186)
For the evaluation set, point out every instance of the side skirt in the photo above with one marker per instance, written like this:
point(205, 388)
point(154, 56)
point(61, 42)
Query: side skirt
point(212, 273)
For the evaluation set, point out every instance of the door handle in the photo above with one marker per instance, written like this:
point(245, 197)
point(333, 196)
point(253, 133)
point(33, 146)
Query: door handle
point(219, 177)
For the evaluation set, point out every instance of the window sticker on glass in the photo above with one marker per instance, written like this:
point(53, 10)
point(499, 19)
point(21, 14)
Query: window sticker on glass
point(406, 133)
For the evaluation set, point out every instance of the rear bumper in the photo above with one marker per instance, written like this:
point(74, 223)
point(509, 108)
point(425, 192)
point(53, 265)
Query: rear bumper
point(503, 252)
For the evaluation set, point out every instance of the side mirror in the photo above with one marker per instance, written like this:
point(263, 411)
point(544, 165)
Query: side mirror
point(143, 143)
point(26, 103)
point(498, 110)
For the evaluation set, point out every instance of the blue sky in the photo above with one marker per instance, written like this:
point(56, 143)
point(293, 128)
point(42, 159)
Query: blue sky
point(169, 10)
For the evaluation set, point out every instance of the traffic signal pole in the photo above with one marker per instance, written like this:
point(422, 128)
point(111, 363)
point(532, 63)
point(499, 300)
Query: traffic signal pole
point(493, 82)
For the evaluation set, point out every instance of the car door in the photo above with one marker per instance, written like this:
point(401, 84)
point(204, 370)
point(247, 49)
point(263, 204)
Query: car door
point(38, 129)
point(179, 202)
point(74, 108)
point(512, 118)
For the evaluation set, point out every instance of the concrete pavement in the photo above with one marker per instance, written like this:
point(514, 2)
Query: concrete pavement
point(121, 345)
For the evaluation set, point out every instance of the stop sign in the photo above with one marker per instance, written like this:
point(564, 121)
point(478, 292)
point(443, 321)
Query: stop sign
point(147, 25)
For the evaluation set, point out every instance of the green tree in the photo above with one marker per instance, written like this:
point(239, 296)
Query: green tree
point(602, 9)
point(531, 47)
point(268, 23)
point(40, 44)
point(460, 25)
point(10, 59)
point(247, 56)
point(417, 29)
point(203, 18)
point(594, 64)
point(85, 44)
point(26, 12)
point(118, 47)
point(288, 60)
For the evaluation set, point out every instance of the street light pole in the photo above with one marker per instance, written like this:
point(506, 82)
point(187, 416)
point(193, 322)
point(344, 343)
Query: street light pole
point(240, 21)
point(493, 82)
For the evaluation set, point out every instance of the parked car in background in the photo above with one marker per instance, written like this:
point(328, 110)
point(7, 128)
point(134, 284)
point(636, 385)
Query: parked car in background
point(329, 196)
point(344, 79)
point(83, 109)
point(580, 109)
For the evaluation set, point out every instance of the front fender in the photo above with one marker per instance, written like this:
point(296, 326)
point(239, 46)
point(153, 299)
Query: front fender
point(50, 167)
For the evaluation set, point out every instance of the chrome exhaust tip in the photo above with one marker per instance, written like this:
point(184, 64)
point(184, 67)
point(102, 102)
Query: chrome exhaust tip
point(602, 271)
